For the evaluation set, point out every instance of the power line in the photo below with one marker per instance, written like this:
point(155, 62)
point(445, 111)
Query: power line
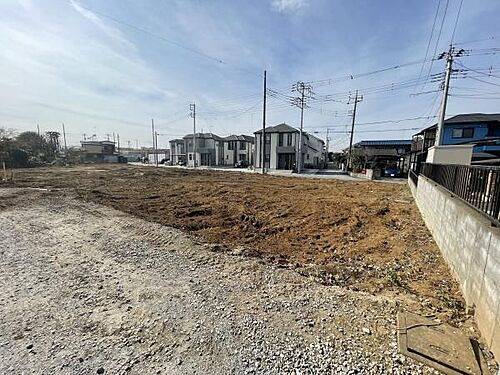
point(477, 71)
point(480, 80)
point(456, 21)
point(376, 122)
point(438, 37)
point(147, 32)
point(429, 42)
point(376, 131)
point(479, 40)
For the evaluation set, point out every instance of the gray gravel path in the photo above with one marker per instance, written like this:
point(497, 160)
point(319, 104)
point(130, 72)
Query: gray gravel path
point(88, 290)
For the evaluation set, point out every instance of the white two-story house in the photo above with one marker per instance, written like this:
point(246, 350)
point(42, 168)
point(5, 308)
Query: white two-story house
point(238, 148)
point(281, 148)
point(209, 149)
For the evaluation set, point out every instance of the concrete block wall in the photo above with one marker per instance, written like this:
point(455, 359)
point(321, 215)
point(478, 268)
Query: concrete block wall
point(471, 247)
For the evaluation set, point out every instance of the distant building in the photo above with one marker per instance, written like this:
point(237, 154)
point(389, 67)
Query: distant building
point(379, 154)
point(177, 152)
point(238, 148)
point(161, 155)
point(99, 151)
point(209, 149)
point(479, 129)
point(281, 148)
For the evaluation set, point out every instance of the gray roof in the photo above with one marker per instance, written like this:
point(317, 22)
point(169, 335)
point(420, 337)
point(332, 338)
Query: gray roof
point(97, 143)
point(388, 142)
point(204, 135)
point(242, 137)
point(281, 128)
point(468, 117)
point(178, 140)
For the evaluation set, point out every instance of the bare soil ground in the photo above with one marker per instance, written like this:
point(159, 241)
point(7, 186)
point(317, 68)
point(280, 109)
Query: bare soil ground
point(86, 289)
point(362, 235)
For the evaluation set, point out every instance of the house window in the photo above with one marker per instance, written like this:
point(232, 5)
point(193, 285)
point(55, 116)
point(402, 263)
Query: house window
point(242, 145)
point(463, 133)
point(289, 139)
point(494, 130)
point(268, 138)
point(243, 157)
point(307, 157)
point(280, 139)
point(201, 142)
point(267, 158)
point(190, 156)
point(230, 146)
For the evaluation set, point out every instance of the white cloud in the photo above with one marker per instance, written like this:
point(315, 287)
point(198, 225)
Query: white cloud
point(288, 5)
point(109, 31)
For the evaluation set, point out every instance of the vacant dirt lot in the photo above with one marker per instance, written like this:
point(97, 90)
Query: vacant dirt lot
point(366, 236)
point(86, 289)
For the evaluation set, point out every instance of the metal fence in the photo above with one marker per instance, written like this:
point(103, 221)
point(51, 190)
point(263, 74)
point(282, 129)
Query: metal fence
point(477, 186)
point(413, 176)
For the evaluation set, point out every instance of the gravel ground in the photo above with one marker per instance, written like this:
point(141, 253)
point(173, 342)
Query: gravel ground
point(87, 289)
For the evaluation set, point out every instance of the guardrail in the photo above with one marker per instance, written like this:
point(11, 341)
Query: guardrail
point(477, 186)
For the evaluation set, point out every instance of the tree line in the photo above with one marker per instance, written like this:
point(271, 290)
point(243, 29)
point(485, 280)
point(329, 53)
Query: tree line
point(28, 149)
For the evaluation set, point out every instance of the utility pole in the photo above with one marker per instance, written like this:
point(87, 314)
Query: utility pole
point(192, 108)
point(263, 140)
point(306, 92)
point(118, 139)
point(137, 144)
point(153, 133)
point(357, 99)
point(327, 143)
point(38, 129)
point(156, 148)
point(64, 136)
point(446, 88)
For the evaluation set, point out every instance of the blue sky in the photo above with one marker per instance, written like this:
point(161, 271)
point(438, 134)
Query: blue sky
point(69, 61)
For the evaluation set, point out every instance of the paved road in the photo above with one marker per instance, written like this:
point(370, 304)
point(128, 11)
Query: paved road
point(86, 289)
point(316, 173)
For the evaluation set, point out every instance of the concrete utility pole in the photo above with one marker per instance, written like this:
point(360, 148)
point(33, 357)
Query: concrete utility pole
point(64, 136)
point(153, 133)
point(327, 143)
point(118, 139)
point(38, 129)
point(357, 99)
point(306, 92)
point(192, 107)
point(156, 148)
point(446, 88)
point(263, 138)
